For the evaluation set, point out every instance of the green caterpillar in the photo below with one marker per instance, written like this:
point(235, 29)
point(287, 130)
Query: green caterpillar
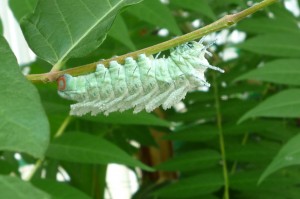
point(145, 83)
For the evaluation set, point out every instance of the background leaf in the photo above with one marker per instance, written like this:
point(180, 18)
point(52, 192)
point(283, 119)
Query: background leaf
point(155, 13)
point(59, 190)
point(192, 187)
point(283, 71)
point(24, 126)
point(12, 187)
point(85, 148)
point(197, 6)
point(194, 133)
point(191, 161)
point(274, 44)
point(264, 25)
point(283, 104)
point(127, 117)
point(119, 31)
point(288, 155)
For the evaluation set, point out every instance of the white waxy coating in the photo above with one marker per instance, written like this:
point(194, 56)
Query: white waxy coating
point(143, 84)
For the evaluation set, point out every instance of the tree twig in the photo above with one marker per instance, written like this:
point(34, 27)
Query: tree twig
point(222, 23)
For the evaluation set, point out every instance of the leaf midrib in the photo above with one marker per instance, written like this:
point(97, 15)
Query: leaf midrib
point(87, 32)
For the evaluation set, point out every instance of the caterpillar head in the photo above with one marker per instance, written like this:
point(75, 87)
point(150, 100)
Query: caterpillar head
point(194, 53)
point(65, 84)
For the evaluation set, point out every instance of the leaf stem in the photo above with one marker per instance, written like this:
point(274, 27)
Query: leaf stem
point(40, 161)
point(221, 137)
point(63, 126)
point(37, 165)
point(224, 22)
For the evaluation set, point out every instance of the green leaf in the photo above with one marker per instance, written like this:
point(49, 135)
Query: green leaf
point(23, 126)
point(127, 117)
point(157, 14)
point(85, 148)
point(22, 8)
point(268, 25)
point(288, 155)
point(141, 135)
point(85, 176)
point(192, 187)
point(6, 167)
point(289, 192)
point(280, 45)
point(59, 190)
point(194, 133)
point(283, 71)
point(283, 104)
point(201, 7)
point(247, 180)
point(251, 152)
point(119, 32)
point(248, 126)
point(191, 161)
point(14, 188)
point(58, 30)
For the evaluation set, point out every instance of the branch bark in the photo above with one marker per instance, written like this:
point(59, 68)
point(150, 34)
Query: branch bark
point(222, 23)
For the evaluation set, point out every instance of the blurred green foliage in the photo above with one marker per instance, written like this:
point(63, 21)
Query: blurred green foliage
point(258, 97)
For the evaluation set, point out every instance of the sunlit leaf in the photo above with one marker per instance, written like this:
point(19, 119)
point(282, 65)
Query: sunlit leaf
point(58, 30)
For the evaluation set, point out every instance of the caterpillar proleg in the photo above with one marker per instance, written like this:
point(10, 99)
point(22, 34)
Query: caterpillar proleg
point(145, 83)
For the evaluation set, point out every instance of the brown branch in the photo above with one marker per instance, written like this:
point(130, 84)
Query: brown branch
point(222, 23)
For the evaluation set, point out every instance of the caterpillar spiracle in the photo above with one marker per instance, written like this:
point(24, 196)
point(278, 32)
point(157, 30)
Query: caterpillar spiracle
point(145, 83)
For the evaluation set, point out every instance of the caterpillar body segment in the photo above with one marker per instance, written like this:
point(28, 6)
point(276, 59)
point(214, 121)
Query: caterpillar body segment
point(145, 83)
point(150, 86)
point(181, 85)
point(134, 84)
point(117, 74)
point(165, 82)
